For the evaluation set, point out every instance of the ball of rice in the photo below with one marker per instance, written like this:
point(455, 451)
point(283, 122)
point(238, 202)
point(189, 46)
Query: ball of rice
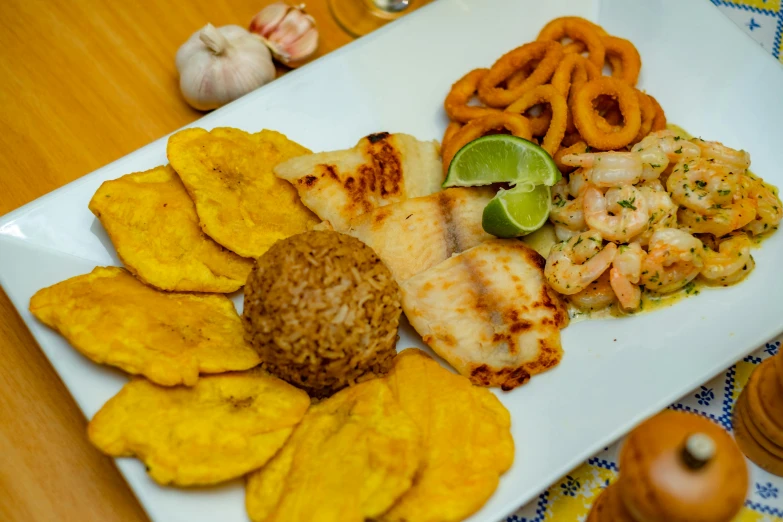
point(322, 310)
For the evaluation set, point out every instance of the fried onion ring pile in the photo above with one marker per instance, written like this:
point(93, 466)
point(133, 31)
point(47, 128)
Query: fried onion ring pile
point(554, 92)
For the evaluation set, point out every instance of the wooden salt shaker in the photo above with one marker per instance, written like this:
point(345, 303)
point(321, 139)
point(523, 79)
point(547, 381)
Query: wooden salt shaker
point(758, 416)
point(675, 467)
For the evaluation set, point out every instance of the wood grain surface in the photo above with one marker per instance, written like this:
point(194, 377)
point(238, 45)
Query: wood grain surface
point(84, 83)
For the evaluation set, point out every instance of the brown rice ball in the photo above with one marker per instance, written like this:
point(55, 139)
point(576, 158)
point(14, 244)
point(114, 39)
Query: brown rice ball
point(322, 310)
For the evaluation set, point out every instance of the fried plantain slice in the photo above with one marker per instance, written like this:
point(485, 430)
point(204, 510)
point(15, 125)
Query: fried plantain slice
point(467, 446)
point(153, 225)
point(112, 318)
point(350, 458)
point(220, 429)
point(240, 202)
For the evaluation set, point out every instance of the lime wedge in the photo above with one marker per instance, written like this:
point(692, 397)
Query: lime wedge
point(517, 212)
point(500, 158)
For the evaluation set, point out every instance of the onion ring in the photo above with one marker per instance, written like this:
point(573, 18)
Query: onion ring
point(462, 91)
point(549, 53)
point(616, 64)
point(573, 69)
point(647, 109)
point(538, 123)
point(612, 120)
point(571, 138)
point(624, 59)
point(659, 123)
point(451, 130)
point(573, 72)
point(580, 147)
point(580, 47)
point(516, 79)
point(578, 30)
point(514, 123)
point(550, 95)
point(586, 118)
point(574, 48)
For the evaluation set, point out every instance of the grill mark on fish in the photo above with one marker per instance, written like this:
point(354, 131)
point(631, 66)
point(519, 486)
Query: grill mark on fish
point(486, 304)
point(378, 136)
point(387, 166)
point(308, 180)
point(331, 171)
point(508, 324)
point(448, 227)
point(381, 175)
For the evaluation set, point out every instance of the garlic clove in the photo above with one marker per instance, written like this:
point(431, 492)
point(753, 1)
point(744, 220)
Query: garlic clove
point(268, 19)
point(303, 47)
point(292, 37)
point(291, 28)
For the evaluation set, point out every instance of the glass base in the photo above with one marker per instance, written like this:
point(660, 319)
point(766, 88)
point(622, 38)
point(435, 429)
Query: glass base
point(359, 17)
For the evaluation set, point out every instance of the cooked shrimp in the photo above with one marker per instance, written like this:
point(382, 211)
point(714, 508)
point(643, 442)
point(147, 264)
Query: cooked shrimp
point(673, 259)
point(572, 265)
point(714, 151)
point(597, 296)
point(564, 233)
point(724, 220)
point(608, 169)
point(731, 263)
point(625, 274)
point(577, 183)
point(769, 209)
point(674, 146)
point(654, 159)
point(703, 186)
point(566, 212)
point(619, 215)
point(663, 211)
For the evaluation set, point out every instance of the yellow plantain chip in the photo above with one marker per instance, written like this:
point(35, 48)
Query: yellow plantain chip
point(153, 225)
point(112, 318)
point(351, 457)
point(467, 443)
point(240, 202)
point(220, 429)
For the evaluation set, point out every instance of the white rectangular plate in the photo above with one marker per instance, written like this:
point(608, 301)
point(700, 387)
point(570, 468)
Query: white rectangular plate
point(711, 78)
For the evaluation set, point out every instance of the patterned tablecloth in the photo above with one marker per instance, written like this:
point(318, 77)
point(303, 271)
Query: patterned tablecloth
point(570, 499)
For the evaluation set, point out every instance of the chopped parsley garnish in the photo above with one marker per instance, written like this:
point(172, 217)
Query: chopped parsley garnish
point(724, 192)
point(627, 203)
point(700, 183)
point(685, 167)
point(678, 151)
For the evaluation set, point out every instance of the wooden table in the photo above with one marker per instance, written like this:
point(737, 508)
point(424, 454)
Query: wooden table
point(84, 83)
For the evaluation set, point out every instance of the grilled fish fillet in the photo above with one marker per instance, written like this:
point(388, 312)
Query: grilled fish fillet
point(381, 169)
point(417, 234)
point(489, 312)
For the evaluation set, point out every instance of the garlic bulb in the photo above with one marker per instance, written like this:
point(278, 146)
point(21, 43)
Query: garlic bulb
point(288, 31)
point(218, 65)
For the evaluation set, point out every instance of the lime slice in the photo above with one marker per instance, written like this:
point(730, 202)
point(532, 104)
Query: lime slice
point(500, 158)
point(517, 212)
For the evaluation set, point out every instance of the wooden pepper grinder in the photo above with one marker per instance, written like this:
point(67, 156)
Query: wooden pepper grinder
point(758, 416)
point(675, 467)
